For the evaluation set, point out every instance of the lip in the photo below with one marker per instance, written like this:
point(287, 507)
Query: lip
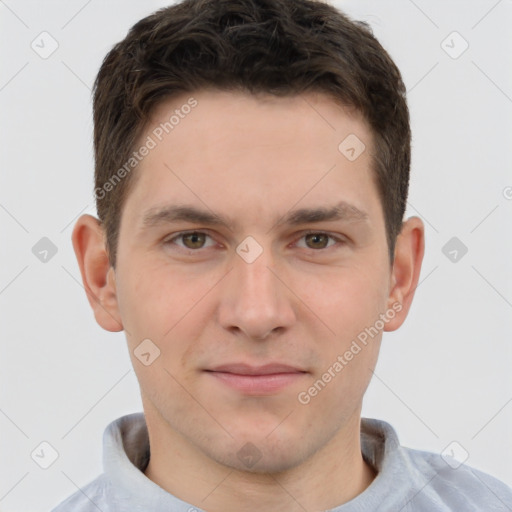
point(257, 380)
point(266, 369)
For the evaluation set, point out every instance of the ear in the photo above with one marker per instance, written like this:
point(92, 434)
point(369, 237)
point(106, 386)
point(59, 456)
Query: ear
point(409, 250)
point(97, 274)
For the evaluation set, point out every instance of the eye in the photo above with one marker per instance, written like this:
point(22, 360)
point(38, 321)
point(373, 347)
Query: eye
point(319, 240)
point(192, 240)
point(195, 240)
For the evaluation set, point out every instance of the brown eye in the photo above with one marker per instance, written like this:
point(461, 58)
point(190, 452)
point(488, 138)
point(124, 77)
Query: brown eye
point(193, 240)
point(317, 240)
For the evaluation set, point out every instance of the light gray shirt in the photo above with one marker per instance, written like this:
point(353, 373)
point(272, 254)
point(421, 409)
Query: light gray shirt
point(407, 480)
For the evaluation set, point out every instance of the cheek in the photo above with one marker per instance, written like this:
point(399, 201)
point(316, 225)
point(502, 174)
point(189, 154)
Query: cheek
point(158, 298)
point(164, 306)
point(347, 300)
point(357, 300)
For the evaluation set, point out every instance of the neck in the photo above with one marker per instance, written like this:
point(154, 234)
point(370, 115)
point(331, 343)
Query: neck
point(334, 475)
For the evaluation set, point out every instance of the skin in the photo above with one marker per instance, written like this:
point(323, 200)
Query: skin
point(302, 301)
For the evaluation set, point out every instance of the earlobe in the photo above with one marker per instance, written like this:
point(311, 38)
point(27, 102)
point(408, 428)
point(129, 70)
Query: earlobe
point(409, 250)
point(97, 275)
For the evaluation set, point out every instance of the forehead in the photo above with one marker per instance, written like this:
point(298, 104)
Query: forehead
point(255, 115)
point(236, 151)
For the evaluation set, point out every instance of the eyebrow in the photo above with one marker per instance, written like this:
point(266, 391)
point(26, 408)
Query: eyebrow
point(169, 214)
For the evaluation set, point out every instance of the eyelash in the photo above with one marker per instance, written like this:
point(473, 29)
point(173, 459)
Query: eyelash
point(170, 241)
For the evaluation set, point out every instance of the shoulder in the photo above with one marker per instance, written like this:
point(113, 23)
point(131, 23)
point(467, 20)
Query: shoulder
point(92, 497)
point(412, 480)
point(459, 486)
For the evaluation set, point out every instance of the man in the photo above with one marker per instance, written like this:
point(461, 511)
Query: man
point(252, 169)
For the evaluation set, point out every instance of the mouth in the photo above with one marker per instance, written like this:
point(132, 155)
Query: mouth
point(257, 380)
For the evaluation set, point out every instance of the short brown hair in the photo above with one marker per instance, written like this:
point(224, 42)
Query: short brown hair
point(281, 47)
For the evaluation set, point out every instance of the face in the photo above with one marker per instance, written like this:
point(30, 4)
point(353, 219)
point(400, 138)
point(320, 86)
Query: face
point(252, 253)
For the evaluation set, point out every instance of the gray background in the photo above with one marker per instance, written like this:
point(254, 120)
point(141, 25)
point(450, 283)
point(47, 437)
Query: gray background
point(443, 377)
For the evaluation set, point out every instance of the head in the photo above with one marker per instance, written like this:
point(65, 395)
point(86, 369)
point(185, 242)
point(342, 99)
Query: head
point(252, 167)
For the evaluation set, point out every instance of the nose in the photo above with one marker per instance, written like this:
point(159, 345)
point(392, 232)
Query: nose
point(254, 301)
